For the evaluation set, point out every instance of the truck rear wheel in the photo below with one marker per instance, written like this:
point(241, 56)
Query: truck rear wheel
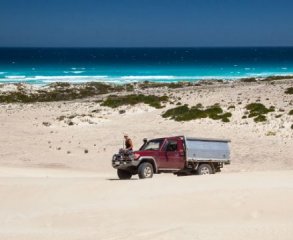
point(145, 170)
point(204, 169)
point(122, 174)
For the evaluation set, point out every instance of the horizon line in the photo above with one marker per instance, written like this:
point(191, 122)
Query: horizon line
point(91, 47)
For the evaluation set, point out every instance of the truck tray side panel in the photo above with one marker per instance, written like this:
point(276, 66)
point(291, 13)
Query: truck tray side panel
point(207, 150)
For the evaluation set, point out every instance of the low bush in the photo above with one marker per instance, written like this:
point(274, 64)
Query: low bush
point(258, 111)
point(248, 80)
point(273, 78)
point(260, 118)
point(133, 99)
point(271, 133)
point(60, 92)
point(289, 90)
point(184, 113)
point(231, 107)
point(148, 84)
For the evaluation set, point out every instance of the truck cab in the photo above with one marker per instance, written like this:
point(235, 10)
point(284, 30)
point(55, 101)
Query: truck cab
point(168, 154)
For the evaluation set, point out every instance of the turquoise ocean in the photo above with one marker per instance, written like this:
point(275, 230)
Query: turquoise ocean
point(43, 66)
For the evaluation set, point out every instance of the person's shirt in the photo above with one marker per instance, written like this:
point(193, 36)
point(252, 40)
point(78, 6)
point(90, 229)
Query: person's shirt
point(128, 144)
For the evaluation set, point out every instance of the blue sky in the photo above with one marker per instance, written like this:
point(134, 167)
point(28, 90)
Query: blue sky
point(145, 23)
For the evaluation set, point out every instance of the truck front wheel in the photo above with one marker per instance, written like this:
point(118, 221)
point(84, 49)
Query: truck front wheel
point(204, 169)
point(145, 170)
point(122, 174)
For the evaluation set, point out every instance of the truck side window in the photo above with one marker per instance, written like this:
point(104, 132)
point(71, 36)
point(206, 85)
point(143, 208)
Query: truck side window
point(172, 146)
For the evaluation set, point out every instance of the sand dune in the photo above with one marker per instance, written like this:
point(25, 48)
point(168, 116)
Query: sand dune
point(56, 180)
point(66, 204)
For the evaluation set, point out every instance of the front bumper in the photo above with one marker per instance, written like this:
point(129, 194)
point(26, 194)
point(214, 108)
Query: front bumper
point(119, 162)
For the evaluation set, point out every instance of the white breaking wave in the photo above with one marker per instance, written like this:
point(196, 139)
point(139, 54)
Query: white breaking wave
point(110, 79)
point(148, 77)
point(74, 79)
point(129, 79)
point(15, 77)
point(75, 72)
point(78, 68)
point(51, 79)
point(267, 74)
point(166, 77)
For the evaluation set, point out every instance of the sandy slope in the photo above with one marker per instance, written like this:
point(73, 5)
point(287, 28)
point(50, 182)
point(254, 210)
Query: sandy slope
point(50, 188)
point(66, 204)
point(25, 141)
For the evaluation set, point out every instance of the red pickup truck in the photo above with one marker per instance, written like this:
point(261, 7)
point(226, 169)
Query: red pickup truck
point(179, 155)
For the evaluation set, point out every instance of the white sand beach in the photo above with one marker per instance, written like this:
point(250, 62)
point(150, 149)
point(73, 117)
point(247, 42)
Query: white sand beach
point(56, 179)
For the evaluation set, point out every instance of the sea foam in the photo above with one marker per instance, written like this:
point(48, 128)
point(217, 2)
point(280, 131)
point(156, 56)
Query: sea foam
point(15, 77)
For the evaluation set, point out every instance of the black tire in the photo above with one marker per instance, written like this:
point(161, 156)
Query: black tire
point(145, 170)
point(122, 174)
point(204, 169)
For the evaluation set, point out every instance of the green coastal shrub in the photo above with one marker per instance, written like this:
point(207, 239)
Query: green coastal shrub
point(129, 87)
point(271, 133)
point(247, 80)
point(231, 107)
point(60, 92)
point(290, 112)
point(148, 84)
point(273, 78)
point(184, 113)
point(260, 118)
point(258, 111)
point(289, 90)
point(115, 101)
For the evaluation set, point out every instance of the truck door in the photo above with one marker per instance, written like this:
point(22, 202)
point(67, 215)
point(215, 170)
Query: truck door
point(175, 154)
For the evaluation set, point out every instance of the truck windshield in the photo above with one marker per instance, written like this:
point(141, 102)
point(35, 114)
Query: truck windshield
point(153, 145)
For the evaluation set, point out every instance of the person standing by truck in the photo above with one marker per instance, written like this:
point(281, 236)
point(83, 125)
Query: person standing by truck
point(128, 143)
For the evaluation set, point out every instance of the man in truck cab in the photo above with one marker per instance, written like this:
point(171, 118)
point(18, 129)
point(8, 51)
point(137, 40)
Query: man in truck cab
point(172, 146)
point(128, 143)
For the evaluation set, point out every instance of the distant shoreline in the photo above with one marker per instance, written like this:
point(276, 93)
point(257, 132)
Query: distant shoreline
point(67, 91)
point(151, 79)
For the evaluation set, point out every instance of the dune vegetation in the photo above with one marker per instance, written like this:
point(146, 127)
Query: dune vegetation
point(115, 101)
point(186, 113)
